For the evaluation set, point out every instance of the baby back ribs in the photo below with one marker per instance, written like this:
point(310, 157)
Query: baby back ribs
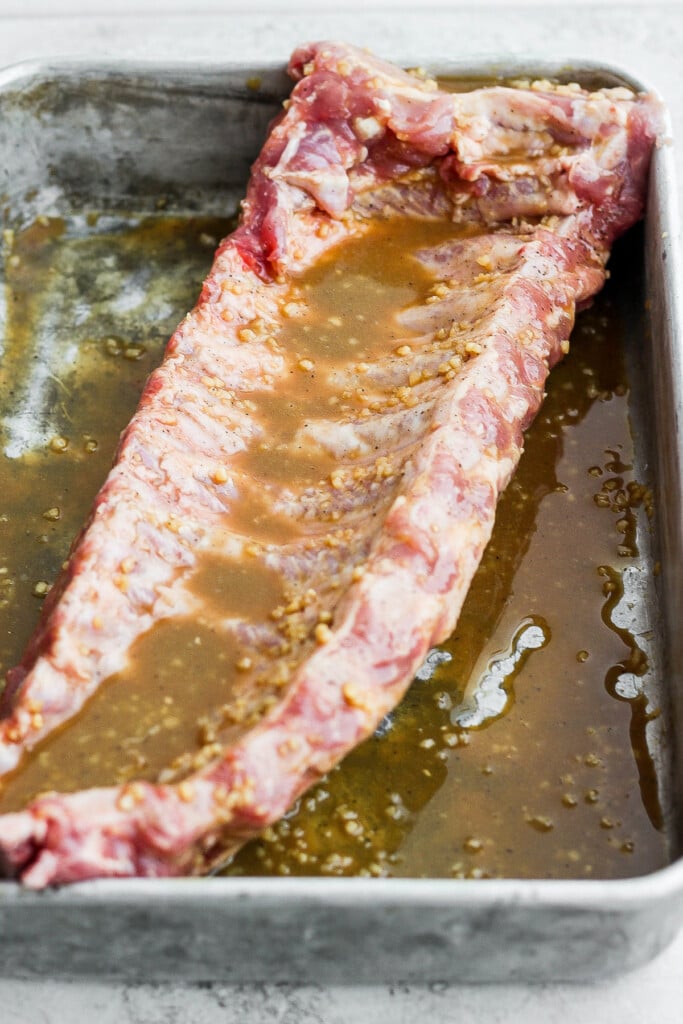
point(302, 496)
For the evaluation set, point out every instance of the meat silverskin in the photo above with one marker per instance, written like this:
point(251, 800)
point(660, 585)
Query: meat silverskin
point(537, 183)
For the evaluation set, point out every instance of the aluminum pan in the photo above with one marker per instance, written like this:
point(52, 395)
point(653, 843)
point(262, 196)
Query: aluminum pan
point(328, 929)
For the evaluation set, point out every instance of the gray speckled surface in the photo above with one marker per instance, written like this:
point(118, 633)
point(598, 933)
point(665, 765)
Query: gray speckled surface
point(646, 40)
point(652, 993)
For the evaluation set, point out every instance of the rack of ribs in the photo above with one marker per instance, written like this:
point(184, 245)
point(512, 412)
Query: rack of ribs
point(299, 504)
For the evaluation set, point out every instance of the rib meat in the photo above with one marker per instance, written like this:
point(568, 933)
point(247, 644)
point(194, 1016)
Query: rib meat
point(544, 179)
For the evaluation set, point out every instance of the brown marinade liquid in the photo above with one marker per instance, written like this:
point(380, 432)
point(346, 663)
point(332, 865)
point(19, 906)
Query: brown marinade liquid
point(183, 690)
point(523, 754)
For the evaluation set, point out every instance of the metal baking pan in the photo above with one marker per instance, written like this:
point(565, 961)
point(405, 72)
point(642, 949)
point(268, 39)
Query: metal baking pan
point(128, 134)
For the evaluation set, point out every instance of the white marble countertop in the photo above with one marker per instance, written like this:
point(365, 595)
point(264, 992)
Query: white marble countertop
point(646, 40)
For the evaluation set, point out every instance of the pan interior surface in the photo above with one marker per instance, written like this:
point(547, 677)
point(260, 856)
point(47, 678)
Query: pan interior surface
point(533, 742)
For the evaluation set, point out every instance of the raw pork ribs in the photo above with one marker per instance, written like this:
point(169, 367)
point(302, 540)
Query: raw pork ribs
point(518, 194)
